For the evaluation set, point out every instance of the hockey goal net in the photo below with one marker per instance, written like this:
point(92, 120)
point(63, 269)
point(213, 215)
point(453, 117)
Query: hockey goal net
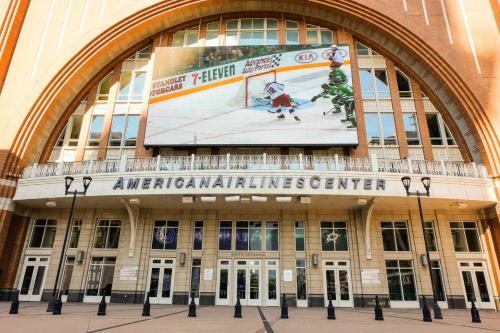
point(255, 85)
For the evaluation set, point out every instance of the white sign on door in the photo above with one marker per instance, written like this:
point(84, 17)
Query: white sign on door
point(208, 274)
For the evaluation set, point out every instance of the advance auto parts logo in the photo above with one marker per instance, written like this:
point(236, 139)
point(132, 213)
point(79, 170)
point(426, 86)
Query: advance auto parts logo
point(306, 57)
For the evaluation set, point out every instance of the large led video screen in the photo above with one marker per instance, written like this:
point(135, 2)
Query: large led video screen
point(251, 95)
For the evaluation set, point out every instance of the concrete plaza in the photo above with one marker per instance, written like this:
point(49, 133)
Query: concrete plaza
point(78, 317)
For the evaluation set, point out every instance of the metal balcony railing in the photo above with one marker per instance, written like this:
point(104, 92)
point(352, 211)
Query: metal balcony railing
point(257, 162)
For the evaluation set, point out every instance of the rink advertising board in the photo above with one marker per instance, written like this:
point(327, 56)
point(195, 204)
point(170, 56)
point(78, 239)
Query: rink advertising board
point(251, 95)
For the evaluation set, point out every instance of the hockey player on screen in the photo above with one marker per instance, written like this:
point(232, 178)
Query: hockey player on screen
point(279, 98)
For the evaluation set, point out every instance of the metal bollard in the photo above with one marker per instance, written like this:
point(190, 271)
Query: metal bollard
point(14, 306)
point(237, 308)
point(146, 309)
point(379, 315)
point(474, 312)
point(437, 310)
point(101, 311)
point(426, 312)
point(330, 310)
point(192, 308)
point(58, 304)
point(284, 308)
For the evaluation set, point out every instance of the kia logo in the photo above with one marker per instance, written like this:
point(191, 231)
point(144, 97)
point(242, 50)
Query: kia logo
point(305, 57)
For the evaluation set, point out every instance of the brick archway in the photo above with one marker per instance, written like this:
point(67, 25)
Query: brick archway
point(400, 42)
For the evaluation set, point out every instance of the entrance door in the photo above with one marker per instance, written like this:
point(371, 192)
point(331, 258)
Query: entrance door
point(160, 282)
point(248, 282)
point(337, 283)
point(272, 283)
point(224, 283)
point(476, 284)
point(33, 278)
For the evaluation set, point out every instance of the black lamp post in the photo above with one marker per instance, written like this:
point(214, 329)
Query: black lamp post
point(426, 181)
point(68, 181)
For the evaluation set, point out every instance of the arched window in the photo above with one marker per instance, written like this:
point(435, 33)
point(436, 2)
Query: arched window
point(252, 31)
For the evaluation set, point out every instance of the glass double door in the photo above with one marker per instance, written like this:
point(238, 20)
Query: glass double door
point(161, 281)
point(33, 278)
point(476, 285)
point(256, 282)
point(337, 283)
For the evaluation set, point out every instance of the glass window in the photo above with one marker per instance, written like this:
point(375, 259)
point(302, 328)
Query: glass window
point(395, 236)
point(165, 235)
point(107, 234)
point(250, 31)
point(104, 87)
point(248, 235)
point(212, 34)
point(76, 126)
point(198, 235)
point(367, 87)
point(43, 233)
point(125, 81)
point(225, 232)
point(301, 279)
point(117, 129)
point(411, 128)
point(145, 53)
point(292, 32)
point(437, 279)
point(299, 236)
point(272, 236)
point(334, 236)
point(434, 129)
point(74, 235)
point(195, 278)
point(465, 236)
point(96, 124)
point(69, 264)
point(318, 35)
point(187, 37)
point(404, 85)
point(372, 128)
point(388, 128)
point(401, 280)
point(381, 83)
point(430, 236)
point(100, 276)
point(60, 139)
point(138, 86)
point(362, 50)
point(124, 130)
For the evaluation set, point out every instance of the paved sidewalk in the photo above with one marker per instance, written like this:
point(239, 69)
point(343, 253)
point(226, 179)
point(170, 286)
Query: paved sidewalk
point(78, 317)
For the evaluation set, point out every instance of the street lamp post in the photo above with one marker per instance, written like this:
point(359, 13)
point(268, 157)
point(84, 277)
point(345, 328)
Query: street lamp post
point(426, 181)
point(53, 305)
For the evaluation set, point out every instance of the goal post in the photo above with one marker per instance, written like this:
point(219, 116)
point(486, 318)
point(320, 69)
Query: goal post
point(254, 85)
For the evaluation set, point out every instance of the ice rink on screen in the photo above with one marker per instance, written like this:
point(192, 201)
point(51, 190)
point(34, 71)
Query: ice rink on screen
point(218, 116)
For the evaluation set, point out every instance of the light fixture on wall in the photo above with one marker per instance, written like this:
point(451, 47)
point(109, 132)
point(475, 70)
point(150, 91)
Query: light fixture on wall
point(51, 204)
point(134, 201)
point(232, 198)
point(459, 205)
point(187, 199)
point(182, 258)
point(362, 201)
point(283, 199)
point(423, 260)
point(208, 199)
point(315, 259)
point(305, 200)
point(259, 198)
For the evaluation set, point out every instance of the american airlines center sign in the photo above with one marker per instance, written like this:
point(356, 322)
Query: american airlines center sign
point(214, 183)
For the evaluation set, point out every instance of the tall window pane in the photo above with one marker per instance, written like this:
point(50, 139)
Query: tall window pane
point(198, 235)
point(366, 78)
point(139, 83)
point(381, 83)
point(411, 128)
point(117, 129)
point(272, 238)
point(95, 131)
point(430, 237)
point(404, 86)
point(434, 130)
point(388, 128)
point(125, 81)
point(299, 236)
point(195, 278)
point(301, 280)
point(372, 128)
point(131, 131)
point(104, 87)
point(225, 231)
